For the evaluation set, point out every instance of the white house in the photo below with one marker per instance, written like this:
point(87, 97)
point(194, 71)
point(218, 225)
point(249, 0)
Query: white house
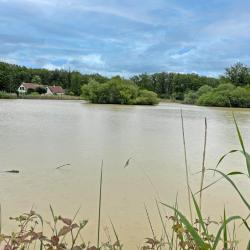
point(25, 86)
point(50, 90)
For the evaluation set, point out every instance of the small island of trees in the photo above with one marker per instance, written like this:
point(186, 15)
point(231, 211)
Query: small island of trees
point(118, 91)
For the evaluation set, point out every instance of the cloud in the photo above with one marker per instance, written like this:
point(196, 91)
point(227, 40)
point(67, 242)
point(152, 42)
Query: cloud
point(126, 36)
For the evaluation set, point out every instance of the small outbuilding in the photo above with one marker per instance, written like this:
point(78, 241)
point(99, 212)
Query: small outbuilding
point(55, 90)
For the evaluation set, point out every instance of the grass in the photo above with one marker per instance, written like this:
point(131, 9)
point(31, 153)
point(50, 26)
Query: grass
point(5, 95)
point(180, 232)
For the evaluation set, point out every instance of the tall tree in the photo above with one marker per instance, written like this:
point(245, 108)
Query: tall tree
point(238, 74)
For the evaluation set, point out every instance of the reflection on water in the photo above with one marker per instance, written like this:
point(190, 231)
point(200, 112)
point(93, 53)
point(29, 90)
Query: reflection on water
point(36, 136)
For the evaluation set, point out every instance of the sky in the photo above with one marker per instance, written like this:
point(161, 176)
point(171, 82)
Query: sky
point(126, 37)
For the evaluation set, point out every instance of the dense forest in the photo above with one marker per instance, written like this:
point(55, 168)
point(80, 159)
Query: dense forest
point(232, 88)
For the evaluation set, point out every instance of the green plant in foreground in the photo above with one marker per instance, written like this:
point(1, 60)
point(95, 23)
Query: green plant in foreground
point(200, 238)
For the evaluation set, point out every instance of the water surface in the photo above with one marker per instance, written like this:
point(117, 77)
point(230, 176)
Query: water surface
point(36, 136)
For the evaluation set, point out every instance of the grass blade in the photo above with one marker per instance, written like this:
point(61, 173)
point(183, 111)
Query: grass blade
point(99, 210)
point(235, 187)
point(242, 145)
point(149, 221)
point(203, 162)
point(225, 230)
point(248, 245)
point(217, 238)
point(201, 222)
point(115, 233)
point(163, 225)
point(186, 167)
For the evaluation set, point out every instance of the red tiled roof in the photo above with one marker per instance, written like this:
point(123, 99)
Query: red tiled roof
point(34, 86)
point(56, 89)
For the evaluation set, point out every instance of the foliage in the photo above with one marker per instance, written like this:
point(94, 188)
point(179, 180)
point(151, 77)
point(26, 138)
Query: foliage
point(192, 88)
point(172, 85)
point(41, 90)
point(4, 95)
point(64, 234)
point(191, 97)
point(238, 74)
point(11, 76)
point(146, 97)
point(118, 91)
point(225, 95)
point(36, 79)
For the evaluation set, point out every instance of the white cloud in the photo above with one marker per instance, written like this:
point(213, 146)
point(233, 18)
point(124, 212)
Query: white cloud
point(51, 66)
point(91, 60)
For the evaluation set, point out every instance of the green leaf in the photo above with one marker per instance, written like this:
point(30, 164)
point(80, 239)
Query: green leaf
point(248, 245)
point(233, 184)
point(225, 230)
point(190, 229)
point(242, 145)
point(217, 238)
point(225, 155)
point(235, 173)
point(198, 211)
point(246, 225)
point(163, 225)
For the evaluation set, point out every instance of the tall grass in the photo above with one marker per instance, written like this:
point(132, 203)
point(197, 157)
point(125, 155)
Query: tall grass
point(186, 167)
point(99, 210)
point(203, 169)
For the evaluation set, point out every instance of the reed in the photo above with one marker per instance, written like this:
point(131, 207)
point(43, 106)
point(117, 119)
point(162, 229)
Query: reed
point(203, 169)
point(99, 210)
point(186, 167)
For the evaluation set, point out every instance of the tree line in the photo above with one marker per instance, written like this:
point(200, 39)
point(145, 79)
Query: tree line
point(176, 86)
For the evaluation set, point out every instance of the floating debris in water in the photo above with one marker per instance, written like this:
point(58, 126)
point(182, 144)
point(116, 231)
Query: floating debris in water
point(11, 171)
point(64, 165)
point(127, 162)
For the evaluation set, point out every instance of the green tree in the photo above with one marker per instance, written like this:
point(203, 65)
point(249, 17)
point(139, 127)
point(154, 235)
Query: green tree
point(36, 79)
point(76, 83)
point(117, 91)
point(238, 74)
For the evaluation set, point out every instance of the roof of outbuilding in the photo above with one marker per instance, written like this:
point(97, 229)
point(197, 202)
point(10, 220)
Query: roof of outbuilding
point(56, 89)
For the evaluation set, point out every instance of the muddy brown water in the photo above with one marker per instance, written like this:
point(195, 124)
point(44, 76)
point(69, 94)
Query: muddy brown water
point(36, 136)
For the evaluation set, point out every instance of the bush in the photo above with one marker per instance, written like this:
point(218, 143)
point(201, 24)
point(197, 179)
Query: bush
point(146, 98)
point(117, 91)
point(240, 97)
point(225, 95)
point(204, 89)
point(214, 99)
point(190, 97)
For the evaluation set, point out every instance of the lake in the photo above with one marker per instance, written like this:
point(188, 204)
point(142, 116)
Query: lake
point(36, 136)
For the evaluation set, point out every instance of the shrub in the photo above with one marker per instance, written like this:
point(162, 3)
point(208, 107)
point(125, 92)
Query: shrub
point(240, 97)
point(214, 99)
point(146, 98)
point(117, 91)
point(190, 97)
point(204, 89)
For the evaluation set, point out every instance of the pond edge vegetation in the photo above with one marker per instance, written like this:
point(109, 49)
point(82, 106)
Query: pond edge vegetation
point(231, 89)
